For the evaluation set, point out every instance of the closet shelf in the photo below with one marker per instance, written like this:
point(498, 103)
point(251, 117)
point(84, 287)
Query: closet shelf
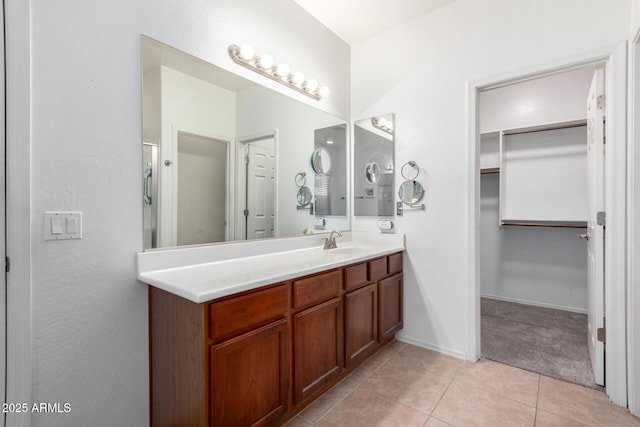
point(541, 223)
point(546, 127)
point(485, 171)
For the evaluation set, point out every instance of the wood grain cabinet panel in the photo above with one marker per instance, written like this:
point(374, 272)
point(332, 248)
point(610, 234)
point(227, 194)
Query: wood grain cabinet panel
point(377, 269)
point(361, 323)
point(241, 314)
point(390, 307)
point(355, 276)
point(317, 348)
point(316, 289)
point(250, 377)
point(395, 263)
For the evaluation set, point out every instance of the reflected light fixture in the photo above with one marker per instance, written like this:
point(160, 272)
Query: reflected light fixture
point(329, 141)
point(263, 64)
point(382, 124)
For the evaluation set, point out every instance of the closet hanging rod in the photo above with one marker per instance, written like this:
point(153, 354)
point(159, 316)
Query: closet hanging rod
point(489, 170)
point(554, 224)
point(545, 128)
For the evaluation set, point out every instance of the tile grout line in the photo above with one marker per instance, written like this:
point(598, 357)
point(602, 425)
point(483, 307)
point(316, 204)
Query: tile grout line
point(357, 387)
point(445, 391)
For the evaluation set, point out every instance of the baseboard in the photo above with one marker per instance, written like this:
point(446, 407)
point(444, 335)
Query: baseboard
point(449, 352)
point(536, 303)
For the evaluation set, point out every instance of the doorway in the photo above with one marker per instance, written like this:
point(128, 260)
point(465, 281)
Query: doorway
point(534, 193)
point(202, 170)
point(257, 188)
point(615, 206)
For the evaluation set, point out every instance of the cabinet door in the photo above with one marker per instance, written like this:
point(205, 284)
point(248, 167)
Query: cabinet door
point(318, 348)
point(250, 377)
point(361, 323)
point(389, 307)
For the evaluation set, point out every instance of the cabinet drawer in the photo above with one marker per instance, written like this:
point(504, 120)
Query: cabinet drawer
point(240, 314)
point(377, 269)
point(315, 289)
point(395, 263)
point(355, 276)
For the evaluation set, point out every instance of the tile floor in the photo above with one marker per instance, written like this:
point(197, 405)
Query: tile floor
point(404, 385)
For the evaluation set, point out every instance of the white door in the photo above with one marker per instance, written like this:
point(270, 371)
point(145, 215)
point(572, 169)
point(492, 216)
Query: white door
point(260, 190)
point(595, 232)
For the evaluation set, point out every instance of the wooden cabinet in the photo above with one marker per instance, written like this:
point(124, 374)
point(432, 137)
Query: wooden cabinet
point(259, 357)
point(249, 377)
point(389, 307)
point(361, 323)
point(318, 351)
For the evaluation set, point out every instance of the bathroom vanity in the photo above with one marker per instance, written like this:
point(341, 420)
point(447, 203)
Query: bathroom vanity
point(254, 340)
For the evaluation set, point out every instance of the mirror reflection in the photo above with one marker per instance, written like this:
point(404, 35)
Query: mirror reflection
point(219, 152)
point(329, 163)
point(321, 161)
point(372, 172)
point(410, 192)
point(304, 196)
point(373, 180)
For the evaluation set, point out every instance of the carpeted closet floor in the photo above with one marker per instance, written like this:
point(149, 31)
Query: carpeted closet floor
point(543, 340)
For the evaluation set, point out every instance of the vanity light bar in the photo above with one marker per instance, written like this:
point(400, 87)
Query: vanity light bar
point(263, 64)
point(382, 124)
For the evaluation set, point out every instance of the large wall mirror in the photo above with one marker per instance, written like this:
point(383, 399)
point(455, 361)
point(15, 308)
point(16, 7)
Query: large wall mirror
point(373, 168)
point(329, 164)
point(221, 153)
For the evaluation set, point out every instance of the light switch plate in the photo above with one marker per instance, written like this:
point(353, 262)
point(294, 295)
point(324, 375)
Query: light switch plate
point(62, 225)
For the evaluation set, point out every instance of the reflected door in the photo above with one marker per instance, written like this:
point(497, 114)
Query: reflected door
point(260, 189)
point(201, 190)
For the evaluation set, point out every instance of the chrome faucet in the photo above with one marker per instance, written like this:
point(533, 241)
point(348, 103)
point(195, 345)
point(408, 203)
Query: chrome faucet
point(307, 231)
point(330, 242)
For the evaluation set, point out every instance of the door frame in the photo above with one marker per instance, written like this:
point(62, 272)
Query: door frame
point(240, 179)
point(18, 205)
point(633, 289)
point(615, 60)
point(173, 228)
point(3, 230)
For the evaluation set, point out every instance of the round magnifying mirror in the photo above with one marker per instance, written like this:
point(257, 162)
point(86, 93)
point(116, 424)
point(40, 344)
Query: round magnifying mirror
point(372, 172)
point(410, 192)
point(304, 196)
point(321, 161)
point(301, 179)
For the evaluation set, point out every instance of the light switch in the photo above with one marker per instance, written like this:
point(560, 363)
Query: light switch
point(62, 225)
point(72, 225)
point(56, 226)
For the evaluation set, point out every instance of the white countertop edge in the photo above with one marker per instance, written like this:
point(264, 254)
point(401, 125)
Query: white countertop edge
point(171, 271)
point(200, 297)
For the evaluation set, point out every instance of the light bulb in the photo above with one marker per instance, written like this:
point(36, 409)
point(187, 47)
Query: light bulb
point(329, 141)
point(323, 91)
point(266, 61)
point(282, 70)
point(312, 85)
point(382, 122)
point(390, 125)
point(246, 52)
point(298, 77)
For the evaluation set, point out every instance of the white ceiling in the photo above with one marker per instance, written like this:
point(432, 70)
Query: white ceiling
point(357, 20)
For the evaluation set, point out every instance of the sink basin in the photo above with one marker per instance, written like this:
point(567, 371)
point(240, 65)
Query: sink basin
point(347, 250)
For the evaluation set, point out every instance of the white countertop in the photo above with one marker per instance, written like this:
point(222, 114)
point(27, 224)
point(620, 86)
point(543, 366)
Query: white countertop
point(204, 273)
